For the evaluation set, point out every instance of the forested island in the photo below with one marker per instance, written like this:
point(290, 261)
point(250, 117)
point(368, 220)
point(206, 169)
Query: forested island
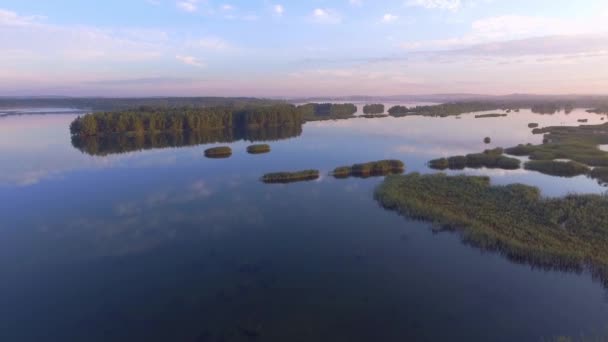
point(372, 109)
point(123, 143)
point(443, 110)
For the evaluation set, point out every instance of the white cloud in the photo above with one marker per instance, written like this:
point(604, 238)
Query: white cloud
point(213, 43)
point(10, 18)
point(278, 9)
point(188, 5)
point(512, 27)
point(356, 3)
point(190, 60)
point(389, 18)
point(227, 7)
point(451, 5)
point(325, 15)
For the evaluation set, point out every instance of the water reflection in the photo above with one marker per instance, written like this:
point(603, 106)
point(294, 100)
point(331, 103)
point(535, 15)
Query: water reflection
point(106, 145)
point(168, 245)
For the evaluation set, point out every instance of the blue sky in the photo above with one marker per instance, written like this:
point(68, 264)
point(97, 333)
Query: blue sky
point(302, 48)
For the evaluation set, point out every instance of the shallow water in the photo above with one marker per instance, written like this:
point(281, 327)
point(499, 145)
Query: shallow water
point(168, 245)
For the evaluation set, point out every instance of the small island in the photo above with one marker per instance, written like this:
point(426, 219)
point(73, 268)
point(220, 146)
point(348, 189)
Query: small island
point(218, 152)
point(569, 232)
point(258, 149)
point(364, 170)
point(373, 109)
point(290, 177)
point(557, 168)
point(493, 115)
point(491, 159)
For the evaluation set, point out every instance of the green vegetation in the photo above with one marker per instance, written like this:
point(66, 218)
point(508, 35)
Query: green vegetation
point(218, 152)
point(373, 109)
point(373, 116)
point(557, 168)
point(600, 173)
point(155, 120)
point(577, 143)
point(487, 140)
point(492, 159)
point(493, 115)
point(258, 149)
point(123, 143)
point(533, 125)
point(397, 111)
point(377, 168)
point(327, 111)
point(290, 177)
point(443, 110)
point(569, 233)
point(121, 104)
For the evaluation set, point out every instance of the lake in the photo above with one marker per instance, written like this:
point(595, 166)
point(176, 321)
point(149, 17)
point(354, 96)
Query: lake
point(163, 244)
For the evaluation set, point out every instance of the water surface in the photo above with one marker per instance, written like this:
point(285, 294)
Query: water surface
point(165, 244)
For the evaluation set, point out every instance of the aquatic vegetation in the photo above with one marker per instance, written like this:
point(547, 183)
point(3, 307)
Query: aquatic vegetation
point(373, 109)
point(577, 143)
point(493, 115)
point(533, 125)
point(599, 173)
point(218, 152)
point(443, 110)
point(492, 159)
point(377, 168)
point(569, 232)
point(557, 168)
point(487, 140)
point(258, 149)
point(373, 116)
point(290, 177)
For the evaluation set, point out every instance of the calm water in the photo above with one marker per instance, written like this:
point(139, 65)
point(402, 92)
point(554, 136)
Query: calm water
point(166, 245)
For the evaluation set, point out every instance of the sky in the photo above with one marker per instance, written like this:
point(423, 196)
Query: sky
point(302, 48)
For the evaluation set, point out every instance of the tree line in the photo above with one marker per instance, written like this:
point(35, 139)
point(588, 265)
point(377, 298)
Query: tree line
point(146, 119)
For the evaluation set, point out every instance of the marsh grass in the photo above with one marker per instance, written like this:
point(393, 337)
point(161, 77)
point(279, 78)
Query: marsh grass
point(491, 159)
point(600, 173)
point(577, 143)
point(493, 115)
point(290, 177)
point(364, 170)
point(566, 233)
point(557, 168)
point(258, 149)
point(218, 152)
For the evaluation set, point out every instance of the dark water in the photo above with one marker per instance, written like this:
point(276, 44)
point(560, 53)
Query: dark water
point(166, 245)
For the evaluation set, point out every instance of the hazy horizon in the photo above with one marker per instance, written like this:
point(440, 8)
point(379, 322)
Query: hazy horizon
point(292, 49)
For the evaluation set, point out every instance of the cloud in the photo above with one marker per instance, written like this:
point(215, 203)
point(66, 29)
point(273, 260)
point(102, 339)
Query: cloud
point(188, 5)
point(356, 3)
point(190, 60)
point(325, 15)
point(10, 18)
point(511, 27)
point(227, 7)
point(212, 43)
point(278, 9)
point(389, 18)
point(451, 5)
